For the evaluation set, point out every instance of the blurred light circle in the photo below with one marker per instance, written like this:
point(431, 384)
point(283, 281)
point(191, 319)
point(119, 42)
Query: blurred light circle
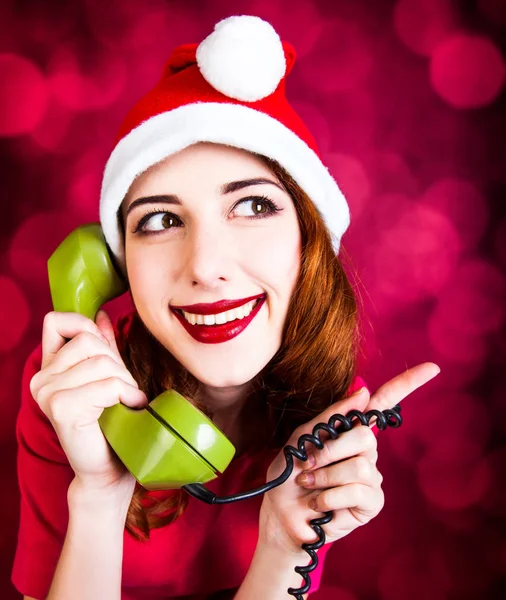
point(15, 312)
point(389, 173)
point(68, 85)
point(386, 209)
point(84, 192)
point(78, 91)
point(306, 24)
point(139, 26)
point(425, 431)
point(471, 427)
point(342, 59)
point(415, 254)
point(455, 343)
point(353, 121)
point(474, 300)
point(462, 522)
point(463, 204)
point(453, 484)
point(23, 95)
point(316, 122)
point(423, 24)
point(107, 82)
point(34, 242)
point(462, 372)
point(352, 179)
point(51, 131)
point(467, 71)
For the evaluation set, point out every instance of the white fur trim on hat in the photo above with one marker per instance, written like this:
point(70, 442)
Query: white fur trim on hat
point(243, 58)
point(231, 124)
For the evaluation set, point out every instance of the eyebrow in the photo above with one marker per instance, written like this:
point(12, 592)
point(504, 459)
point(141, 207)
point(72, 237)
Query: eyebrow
point(226, 188)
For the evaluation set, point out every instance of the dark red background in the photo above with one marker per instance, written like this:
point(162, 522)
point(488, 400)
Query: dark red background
point(407, 102)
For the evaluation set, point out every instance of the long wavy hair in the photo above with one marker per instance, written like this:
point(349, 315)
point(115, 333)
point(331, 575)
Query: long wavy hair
point(313, 368)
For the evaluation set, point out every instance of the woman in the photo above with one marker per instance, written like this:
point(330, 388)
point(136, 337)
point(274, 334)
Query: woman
point(205, 199)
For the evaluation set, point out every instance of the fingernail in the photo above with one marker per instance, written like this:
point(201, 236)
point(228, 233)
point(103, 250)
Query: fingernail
point(359, 391)
point(306, 479)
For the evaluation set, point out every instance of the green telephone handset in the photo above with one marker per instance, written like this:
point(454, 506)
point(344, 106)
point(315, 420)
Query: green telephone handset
point(168, 444)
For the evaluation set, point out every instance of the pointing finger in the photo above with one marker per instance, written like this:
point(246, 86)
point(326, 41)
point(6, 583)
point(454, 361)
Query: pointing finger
point(395, 390)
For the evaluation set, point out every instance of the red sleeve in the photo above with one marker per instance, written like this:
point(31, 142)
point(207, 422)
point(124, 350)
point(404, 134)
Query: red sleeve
point(44, 475)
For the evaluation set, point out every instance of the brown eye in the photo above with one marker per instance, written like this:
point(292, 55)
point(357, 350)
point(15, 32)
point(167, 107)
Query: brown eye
point(260, 206)
point(158, 221)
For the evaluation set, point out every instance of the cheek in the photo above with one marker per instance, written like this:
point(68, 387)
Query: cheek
point(285, 255)
point(141, 267)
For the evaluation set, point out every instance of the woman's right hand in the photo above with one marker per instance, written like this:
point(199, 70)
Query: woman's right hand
point(77, 380)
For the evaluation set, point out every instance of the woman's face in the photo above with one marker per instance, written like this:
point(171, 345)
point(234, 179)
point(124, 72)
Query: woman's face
point(190, 240)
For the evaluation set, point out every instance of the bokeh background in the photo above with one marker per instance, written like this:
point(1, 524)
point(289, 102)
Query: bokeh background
point(407, 102)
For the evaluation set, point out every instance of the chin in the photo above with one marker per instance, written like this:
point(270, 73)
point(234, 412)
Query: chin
point(222, 380)
point(224, 374)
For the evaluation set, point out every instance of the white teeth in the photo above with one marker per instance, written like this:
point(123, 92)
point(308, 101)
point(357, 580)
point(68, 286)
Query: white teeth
point(221, 318)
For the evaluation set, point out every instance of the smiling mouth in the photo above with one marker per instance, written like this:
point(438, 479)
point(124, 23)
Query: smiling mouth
point(222, 318)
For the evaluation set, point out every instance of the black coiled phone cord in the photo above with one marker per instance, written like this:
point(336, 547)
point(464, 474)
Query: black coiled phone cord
point(384, 419)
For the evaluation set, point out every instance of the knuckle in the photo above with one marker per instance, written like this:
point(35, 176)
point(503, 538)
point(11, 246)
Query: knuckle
point(43, 395)
point(85, 343)
point(57, 406)
point(49, 320)
point(379, 477)
point(326, 454)
point(359, 495)
point(321, 478)
point(86, 337)
point(115, 385)
point(103, 362)
point(363, 468)
point(367, 437)
point(323, 502)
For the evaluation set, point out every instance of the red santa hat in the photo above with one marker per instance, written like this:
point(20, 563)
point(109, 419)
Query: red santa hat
point(229, 89)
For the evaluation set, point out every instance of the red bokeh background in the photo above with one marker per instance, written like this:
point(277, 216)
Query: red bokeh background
point(407, 101)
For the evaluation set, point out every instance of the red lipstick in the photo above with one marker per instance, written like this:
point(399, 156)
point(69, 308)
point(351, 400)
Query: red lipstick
point(216, 334)
point(213, 308)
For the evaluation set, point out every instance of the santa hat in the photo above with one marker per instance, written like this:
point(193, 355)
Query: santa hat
point(229, 89)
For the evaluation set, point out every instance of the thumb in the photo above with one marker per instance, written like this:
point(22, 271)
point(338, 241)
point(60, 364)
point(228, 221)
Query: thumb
point(103, 322)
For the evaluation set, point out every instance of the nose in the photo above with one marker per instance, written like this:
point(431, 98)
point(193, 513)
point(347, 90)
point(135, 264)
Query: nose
point(208, 256)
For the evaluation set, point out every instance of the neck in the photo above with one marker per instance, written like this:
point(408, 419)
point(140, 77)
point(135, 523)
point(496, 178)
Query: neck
point(228, 409)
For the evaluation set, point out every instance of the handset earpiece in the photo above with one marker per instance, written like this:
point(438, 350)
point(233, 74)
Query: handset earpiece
point(81, 274)
point(170, 443)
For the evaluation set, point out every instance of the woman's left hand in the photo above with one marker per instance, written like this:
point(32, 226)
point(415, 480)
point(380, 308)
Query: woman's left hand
point(346, 479)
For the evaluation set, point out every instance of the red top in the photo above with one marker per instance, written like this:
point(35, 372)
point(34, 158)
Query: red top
point(207, 549)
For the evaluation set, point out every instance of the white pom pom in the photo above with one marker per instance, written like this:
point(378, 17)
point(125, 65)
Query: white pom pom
point(243, 58)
